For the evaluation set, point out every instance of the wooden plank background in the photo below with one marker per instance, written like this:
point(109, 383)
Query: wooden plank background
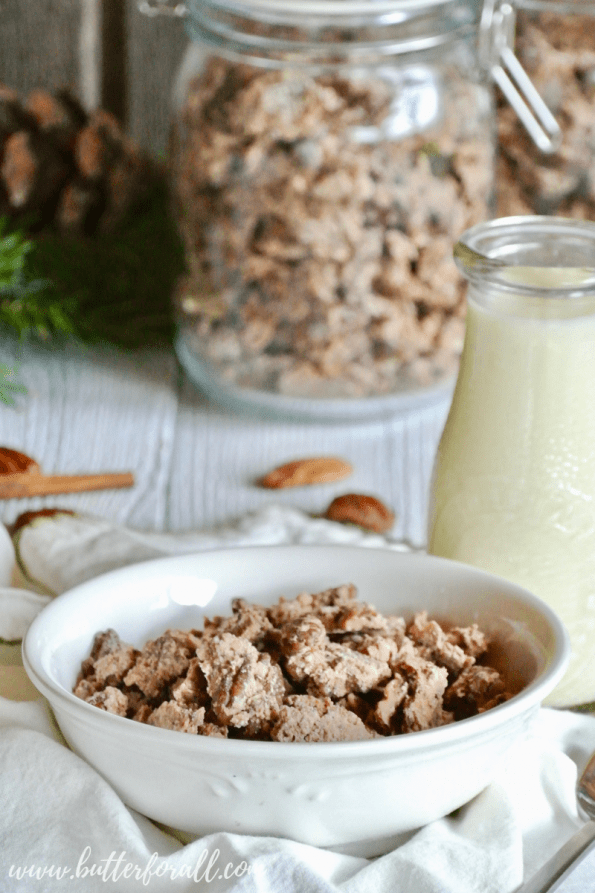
point(105, 51)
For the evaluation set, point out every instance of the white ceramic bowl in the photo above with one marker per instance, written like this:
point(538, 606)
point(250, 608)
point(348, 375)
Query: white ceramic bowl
point(358, 797)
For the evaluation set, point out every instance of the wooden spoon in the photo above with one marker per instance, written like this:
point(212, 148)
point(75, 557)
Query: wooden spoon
point(21, 477)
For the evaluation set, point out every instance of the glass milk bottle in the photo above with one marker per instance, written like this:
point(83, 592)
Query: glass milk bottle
point(514, 480)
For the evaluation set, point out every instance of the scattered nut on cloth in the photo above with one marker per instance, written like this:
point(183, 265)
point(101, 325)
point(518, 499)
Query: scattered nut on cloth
point(303, 472)
point(365, 511)
point(63, 825)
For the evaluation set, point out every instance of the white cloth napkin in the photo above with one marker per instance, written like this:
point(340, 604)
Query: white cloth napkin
point(63, 827)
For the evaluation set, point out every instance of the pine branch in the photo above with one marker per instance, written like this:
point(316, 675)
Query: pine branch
point(113, 288)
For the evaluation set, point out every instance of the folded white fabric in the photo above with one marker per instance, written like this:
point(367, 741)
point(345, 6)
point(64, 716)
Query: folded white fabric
point(62, 826)
point(18, 608)
point(64, 549)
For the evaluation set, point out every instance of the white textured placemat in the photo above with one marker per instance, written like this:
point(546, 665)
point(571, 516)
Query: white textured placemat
point(195, 465)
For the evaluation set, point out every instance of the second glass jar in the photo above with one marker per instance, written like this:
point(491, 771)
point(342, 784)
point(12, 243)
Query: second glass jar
point(555, 43)
point(325, 158)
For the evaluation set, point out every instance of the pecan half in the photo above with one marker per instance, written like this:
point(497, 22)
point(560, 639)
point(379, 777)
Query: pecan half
point(365, 511)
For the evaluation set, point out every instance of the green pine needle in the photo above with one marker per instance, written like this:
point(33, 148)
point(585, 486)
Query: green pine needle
point(12, 256)
point(9, 387)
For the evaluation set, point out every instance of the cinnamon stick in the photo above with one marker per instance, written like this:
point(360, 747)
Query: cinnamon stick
point(27, 484)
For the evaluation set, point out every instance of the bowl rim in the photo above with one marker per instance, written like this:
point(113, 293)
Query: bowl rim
point(64, 701)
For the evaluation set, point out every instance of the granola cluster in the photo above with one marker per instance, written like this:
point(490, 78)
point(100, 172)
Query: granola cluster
point(319, 667)
point(319, 217)
point(558, 52)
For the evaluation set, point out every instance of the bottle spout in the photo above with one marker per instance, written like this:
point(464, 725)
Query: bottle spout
point(468, 260)
point(560, 250)
point(564, 268)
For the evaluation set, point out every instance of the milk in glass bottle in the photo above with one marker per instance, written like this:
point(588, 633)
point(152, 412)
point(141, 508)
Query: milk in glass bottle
point(513, 490)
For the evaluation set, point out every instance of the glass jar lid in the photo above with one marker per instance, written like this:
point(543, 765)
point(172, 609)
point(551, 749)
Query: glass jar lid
point(332, 32)
point(326, 30)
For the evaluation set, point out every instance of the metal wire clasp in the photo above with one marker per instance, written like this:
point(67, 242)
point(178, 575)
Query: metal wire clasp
point(496, 40)
point(154, 8)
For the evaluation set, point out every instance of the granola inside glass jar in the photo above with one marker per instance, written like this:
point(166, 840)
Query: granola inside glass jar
point(555, 43)
point(325, 157)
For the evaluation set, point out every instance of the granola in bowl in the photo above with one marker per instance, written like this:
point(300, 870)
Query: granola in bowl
point(319, 667)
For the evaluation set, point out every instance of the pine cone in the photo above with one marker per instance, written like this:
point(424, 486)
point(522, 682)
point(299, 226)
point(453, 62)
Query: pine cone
point(63, 168)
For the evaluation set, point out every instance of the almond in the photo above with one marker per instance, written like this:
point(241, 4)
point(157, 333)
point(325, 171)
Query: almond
point(302, 472)
point(365, 511)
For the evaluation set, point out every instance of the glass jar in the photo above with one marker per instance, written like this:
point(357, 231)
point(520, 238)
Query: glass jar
point(555, 43)
point(513, 488)
point(325, 156)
